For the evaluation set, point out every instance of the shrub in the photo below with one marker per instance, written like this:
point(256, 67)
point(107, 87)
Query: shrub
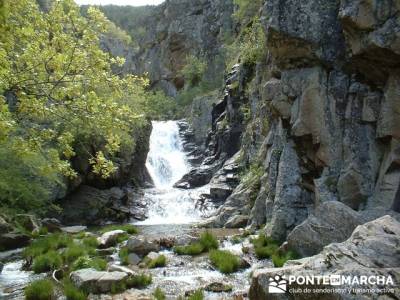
point(194, 70)
point(129, 228)
point(73, 252)
point(45, 244)
point(224, 261)
point(159, 294)
point(90, 241)
point(123, 255)
point(208, 241)
point(47, 262)
point(266, 251)
point(84, 262)
point(197, 295)
point(279, 259)
point(192, 249)
point(39, 290)
point(118, 287)
point(139, 281)
point(73, 293)
point(159, 262)
point(122, 238)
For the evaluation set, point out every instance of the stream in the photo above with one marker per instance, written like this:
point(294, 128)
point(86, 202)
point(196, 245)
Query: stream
point(171, 212)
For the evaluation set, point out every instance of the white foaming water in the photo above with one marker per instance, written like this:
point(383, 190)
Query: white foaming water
point(167, 164)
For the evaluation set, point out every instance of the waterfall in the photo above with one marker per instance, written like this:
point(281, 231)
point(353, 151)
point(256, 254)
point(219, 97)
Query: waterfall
point(167, 163)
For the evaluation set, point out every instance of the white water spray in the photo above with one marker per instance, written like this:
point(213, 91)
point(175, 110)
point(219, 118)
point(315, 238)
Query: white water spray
point(167, 164)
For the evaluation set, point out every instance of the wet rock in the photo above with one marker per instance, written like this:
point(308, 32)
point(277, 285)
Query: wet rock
point(1, 267)
point(141, 245)
point(332, 222)
point(218, 287)
point(28, 222)
point(185, 239)
point(109, 239)
point(97, 282)
point(372, 249)
point(134, 259)
point(52, 224)
point(73, 229)
point(118, 268)
point(238, 221)
point(9, 241)
point(105, 252)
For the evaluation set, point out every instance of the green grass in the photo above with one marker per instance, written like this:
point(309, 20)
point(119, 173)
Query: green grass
point(206, 243)
point(73, 252)
point(123, 255)
point(48, 243)
point(73, 293)
point(224, 261)
point(122, 238)
point(139, 281)
point(159, 294)
point(40, 290)
point(279, 259)
point(47, 262)
point(85, 262)
point(192, 249)
point(197, 295)
point(127, 227)
point(118, 287)
point(159, 262)
point(266, 247)
point(90, 241)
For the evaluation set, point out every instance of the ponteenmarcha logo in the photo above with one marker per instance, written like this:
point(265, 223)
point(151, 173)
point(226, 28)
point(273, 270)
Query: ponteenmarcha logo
point(277, 285)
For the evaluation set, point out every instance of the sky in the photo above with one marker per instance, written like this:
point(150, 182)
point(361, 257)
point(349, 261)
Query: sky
point(120, 2)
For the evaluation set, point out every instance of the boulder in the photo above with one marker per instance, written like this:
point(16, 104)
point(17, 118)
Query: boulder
point(332, 222)
point(52, 224)
point(372, 250)
point(97, 282)
point(237, 221)
point(73, 229)
point(134, 259)
point(118, 268)
point(9, 241)
point(141, 245)
point(109, 239)
point(218, 287)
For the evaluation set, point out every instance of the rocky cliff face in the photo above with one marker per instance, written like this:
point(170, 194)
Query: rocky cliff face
point(319, 116)
point(171, 32)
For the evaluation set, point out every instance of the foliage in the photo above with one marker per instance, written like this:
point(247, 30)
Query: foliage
point(206, 243)
point(224, 261)
point(40, 290)
point(192, 249)
point(83, 262)
point(139, 281)
point(90, 241)
point(123, 255)
point(48, 243)
point(117, 287)
point(73, 293)
point(159, 294)
point(265, 247)
point(59, 99)
point(194, 70)
point(197, 295)
point(246, 9)
point(127, 227)
point(159, 262)
point(47, 262)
